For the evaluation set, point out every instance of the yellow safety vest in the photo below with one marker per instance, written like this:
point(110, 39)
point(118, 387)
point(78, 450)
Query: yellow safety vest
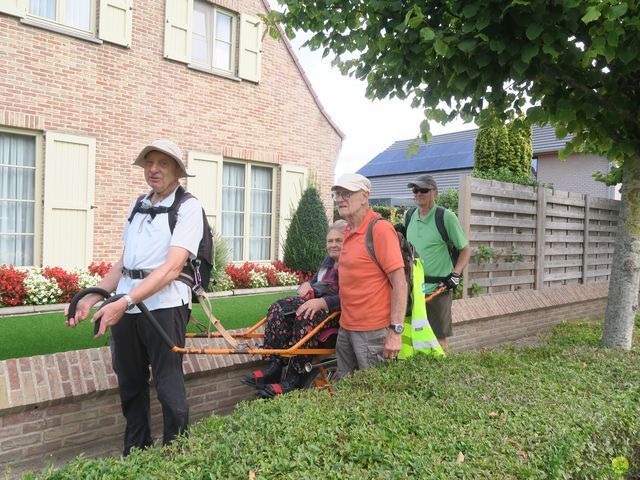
point(418, 337)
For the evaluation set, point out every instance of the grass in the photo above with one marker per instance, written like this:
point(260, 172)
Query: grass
point(43, 333)
point(564, 410)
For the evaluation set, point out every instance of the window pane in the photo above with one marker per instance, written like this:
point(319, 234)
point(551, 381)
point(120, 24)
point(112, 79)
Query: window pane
point(200, 52)
point(17, 199)
point(222, 58)
point(261, 214)
point(223, 27)
point(78, 14)
point(43, 8)
point(233, 208)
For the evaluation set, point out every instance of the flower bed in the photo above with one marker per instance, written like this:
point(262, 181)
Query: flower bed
point(51, 285)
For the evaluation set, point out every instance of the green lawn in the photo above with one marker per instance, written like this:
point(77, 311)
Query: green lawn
point(27, 335)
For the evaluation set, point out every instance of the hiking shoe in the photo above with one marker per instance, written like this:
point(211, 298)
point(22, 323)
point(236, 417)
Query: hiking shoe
point(260, 378)
point(292, 382)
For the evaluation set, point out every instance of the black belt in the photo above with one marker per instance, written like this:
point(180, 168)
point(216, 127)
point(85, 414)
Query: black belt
point(135, 274)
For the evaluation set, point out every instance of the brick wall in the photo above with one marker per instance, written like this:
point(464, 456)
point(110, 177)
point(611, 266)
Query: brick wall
point(54, 407)
point(126, 97)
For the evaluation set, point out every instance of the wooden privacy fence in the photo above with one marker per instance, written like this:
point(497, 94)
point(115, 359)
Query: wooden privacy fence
point(534, 237)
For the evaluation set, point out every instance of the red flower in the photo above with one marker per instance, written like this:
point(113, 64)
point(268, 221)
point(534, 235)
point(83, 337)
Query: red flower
point(67, 282)
point(12, 289)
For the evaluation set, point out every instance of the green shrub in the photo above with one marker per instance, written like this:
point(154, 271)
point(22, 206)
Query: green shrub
point(564, 410)
point(449, 199)
point(221, 257)
point(305, 246)
point(503, 174)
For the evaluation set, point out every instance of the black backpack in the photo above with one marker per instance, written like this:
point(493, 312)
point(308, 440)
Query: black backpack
point(409, 254)
point(454, 253)
point(196, 273)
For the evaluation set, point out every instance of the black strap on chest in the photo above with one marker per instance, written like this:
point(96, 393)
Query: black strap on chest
point(172, 210)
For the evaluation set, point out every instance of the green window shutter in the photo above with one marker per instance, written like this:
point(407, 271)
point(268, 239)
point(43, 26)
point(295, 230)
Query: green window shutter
point(250, 48)
point(14, 7)
point(116, 19)
point(177, 30)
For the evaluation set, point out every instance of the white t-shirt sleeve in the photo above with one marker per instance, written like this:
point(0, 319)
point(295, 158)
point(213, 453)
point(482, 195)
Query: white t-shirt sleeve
point(188, 230)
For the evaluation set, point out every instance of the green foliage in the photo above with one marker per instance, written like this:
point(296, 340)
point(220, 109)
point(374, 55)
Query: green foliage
point(221, 257)
point(383, 210)
point(475, 290)
point(563, 410)
point(485, 253)
point(504, 148)
point(305, 246)
point(504, 174)
point(449, 199)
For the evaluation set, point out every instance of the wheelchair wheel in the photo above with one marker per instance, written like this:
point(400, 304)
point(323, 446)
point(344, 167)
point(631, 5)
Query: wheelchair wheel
point(322, 375)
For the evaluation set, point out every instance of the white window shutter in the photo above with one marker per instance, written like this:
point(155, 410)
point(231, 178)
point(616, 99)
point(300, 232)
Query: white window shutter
point(116, 20)
point(206, 185)
point(69, 175)
point(177, 30)
point(17, 8)
point(293, 181)
point(250, 48)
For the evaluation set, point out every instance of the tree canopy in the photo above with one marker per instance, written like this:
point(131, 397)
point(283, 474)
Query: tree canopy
point(574, 64)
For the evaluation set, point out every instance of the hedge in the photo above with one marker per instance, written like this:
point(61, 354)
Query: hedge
point(569, 409)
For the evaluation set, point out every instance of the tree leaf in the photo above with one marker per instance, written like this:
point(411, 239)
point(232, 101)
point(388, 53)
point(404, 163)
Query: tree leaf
point(427, 34)
point(467, 45)
point(592, 14)
point(534, 30)
point(412, 149)
point(471, 9)
point(528, 52)
point(616, 11)
point(441, 48)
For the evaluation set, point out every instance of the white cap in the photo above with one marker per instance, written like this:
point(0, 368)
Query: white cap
point(168, 148)
point(353, 182)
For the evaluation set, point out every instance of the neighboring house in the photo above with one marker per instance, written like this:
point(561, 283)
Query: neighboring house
point(85, 84)
point(450, 156)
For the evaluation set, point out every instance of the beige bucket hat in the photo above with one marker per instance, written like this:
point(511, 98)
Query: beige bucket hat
point(168, 148)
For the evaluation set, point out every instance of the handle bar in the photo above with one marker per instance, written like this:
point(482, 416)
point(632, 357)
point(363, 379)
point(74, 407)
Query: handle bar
point(73, 305)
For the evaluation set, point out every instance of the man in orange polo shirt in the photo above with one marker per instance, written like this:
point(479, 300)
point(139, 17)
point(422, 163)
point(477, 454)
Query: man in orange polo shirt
point(372, 301)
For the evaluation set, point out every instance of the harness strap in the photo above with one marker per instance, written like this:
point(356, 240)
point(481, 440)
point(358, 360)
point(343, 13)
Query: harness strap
point(429, 279)
point(135, 274)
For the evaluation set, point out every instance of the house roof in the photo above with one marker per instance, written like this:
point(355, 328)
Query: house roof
point(287, 44)
point(450, 151)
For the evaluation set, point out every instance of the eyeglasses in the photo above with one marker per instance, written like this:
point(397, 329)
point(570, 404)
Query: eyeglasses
point(345, 195)
point(421, 190)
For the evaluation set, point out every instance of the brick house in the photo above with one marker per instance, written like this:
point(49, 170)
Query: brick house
point(450, 156)
point(85, 84)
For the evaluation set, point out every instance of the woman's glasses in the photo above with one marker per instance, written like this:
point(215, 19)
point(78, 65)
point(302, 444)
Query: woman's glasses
point(421, 190)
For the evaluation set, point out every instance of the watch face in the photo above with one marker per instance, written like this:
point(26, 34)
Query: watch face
point(397, 328)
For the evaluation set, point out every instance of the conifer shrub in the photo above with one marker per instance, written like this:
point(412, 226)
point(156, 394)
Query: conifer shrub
point(305, 246)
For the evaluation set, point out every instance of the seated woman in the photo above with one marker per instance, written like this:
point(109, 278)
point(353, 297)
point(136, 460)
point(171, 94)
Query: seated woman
point(291, 318)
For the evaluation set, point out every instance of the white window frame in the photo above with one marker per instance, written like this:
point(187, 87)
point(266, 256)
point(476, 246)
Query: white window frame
point(212, 13)
point(59, 20)
point(247, 209)
point(38, 198)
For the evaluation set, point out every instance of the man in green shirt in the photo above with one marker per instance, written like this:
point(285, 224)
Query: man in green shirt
point(439, 268)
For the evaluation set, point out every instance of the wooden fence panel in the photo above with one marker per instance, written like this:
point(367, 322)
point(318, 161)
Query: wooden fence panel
point(526, 237)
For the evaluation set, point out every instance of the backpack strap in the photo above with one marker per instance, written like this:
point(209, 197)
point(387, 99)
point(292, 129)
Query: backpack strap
point(453, 251)
point(137, 206)
point(407, 218)
point(181, 196)
point(368, 241)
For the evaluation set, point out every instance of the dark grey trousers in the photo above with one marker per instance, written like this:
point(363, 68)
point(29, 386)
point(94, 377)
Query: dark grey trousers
point(135, 346)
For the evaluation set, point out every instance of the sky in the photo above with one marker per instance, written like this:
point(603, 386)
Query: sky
point(369, 126)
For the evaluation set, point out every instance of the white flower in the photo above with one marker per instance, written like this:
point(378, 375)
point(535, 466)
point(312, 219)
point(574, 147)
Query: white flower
point(41, 290)
point(286, 278)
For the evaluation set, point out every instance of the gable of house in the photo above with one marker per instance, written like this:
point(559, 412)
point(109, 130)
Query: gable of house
point(92, 83)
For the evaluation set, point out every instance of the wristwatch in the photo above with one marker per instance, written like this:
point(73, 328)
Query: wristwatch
point(397, 328)
point(130, 303)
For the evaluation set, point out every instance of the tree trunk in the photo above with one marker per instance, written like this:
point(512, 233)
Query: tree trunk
point(622, 305)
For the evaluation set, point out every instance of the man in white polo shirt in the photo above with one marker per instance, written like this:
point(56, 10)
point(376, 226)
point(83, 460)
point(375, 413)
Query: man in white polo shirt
point(147, 271)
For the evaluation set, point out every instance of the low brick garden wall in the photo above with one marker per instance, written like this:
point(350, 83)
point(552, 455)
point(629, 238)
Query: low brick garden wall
point(54, 407)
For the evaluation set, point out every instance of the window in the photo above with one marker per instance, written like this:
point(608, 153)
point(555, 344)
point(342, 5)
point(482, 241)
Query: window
point(209, 38)
point(247, 206)
point(76, 14)
point(213, 37)
point(18, 208)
